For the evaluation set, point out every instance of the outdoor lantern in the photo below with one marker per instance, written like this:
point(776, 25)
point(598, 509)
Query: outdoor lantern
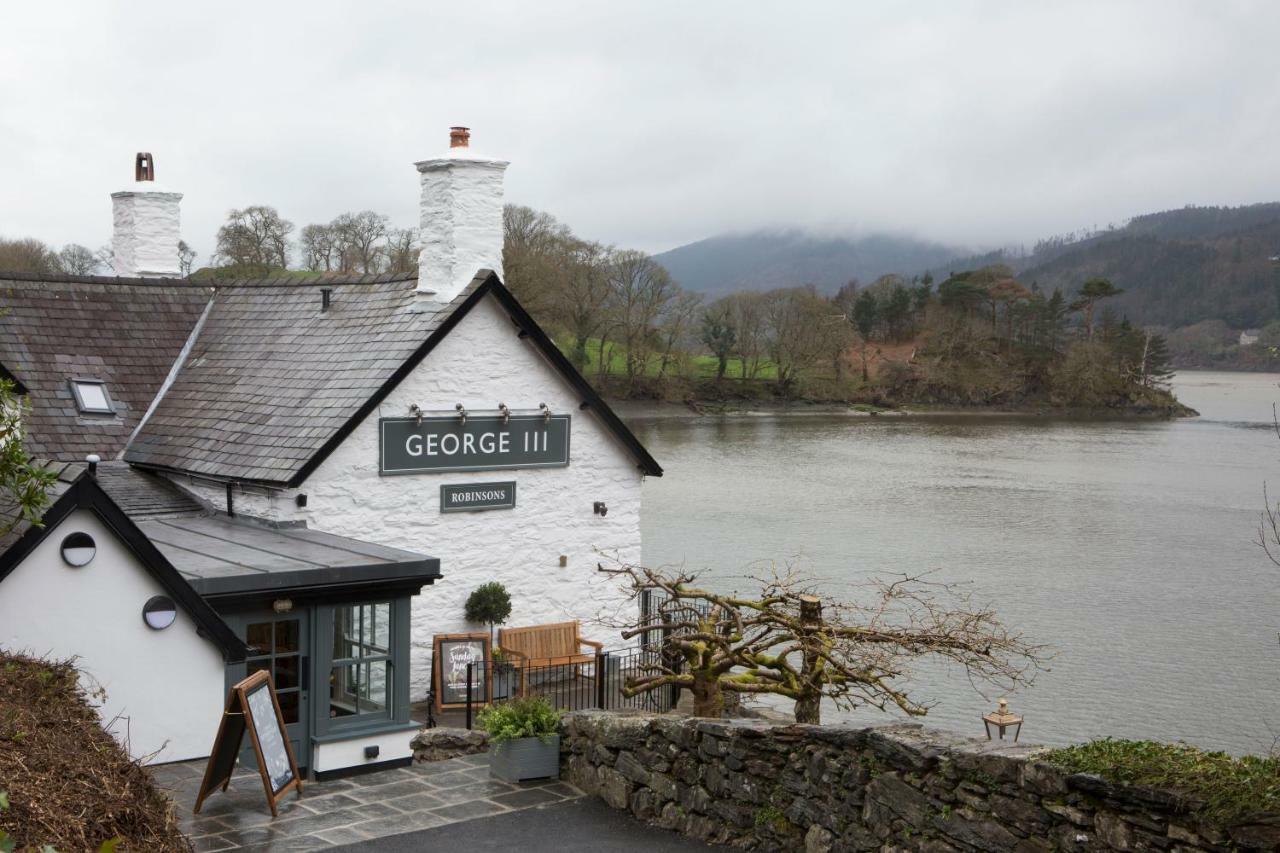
point(159, 612)
point(78, 549)
point(1002, 719)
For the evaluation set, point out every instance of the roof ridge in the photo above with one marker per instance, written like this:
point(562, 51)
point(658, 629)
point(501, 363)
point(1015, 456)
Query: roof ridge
point(63, 278)
point(292, 280)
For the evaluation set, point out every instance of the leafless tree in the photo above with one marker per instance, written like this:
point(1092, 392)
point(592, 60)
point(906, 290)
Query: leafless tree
point(319, 249)
point(581, 300)
point(358, 238)
point(640, 289)
point(254, 240)
point(28, 255)
point(77, 260)
point(534, 257)
point(186, 258)
point(786, 639)
point(402, 251)
point(675, 326)
point(798, 324)
point(747, 311)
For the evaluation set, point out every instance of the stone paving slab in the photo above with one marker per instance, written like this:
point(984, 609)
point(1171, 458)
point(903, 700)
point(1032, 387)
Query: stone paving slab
point(345, 811)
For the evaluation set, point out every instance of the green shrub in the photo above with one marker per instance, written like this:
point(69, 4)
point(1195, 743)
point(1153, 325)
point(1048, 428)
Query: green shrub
point(489, 603)
point(1229, 787)
point(529, 717)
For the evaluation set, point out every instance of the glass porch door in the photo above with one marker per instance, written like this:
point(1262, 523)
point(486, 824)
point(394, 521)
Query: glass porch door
point(280, 644)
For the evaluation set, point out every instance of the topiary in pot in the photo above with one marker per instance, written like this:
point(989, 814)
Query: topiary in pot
point(489, 603)
point(524, 739)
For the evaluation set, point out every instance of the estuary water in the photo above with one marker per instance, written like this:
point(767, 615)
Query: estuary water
point(1128, 546)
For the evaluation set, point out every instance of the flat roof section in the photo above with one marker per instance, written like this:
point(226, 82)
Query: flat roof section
point(221, 556)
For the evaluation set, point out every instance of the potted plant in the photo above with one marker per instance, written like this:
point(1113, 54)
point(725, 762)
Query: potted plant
point(524, 739)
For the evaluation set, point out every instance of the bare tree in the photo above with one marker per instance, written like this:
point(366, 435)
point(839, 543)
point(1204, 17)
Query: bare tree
point(582, 298)
point(534, 255)
point(785, 639)
point(640, 289)
point(254, 240)
point(797, 328)
point(675, 325)
point(719, 334)
point(28, 255)
point(77, 260)
point(747, 312)
point(186, 258)
point(402, 251)
point(319, 249)
point(358, 238)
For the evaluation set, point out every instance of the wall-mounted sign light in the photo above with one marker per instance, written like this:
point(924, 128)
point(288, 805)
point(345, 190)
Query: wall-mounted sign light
point(78, 549)
point(159, 612)
point(282, 605)
point(546, 411)
point(462, 413)
point(506, 413)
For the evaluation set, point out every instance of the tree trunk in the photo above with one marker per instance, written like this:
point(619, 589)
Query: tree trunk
point(809, 706)
point(708, 701)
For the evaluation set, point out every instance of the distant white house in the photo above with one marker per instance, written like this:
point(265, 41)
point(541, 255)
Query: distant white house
point(1249, 337)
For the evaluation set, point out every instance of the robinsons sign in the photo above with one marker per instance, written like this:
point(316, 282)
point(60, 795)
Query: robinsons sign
point(478, 443)
point(470, 497)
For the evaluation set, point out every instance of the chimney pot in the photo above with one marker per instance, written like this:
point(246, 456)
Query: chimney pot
point(459, 137)
point(144, 167)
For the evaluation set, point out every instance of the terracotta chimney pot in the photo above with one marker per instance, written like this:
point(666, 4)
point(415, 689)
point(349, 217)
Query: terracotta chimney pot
point(459, 137)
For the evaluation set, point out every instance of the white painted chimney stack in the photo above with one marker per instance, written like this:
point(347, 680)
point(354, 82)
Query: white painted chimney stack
point(146, 225)
point(461, 227)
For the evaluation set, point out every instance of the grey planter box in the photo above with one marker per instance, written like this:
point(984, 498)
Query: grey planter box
point(525, 758)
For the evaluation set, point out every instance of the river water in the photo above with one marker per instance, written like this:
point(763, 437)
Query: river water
point(1125, 545)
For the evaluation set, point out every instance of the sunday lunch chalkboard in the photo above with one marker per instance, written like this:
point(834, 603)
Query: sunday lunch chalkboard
point(252, 707)
point(451, 653)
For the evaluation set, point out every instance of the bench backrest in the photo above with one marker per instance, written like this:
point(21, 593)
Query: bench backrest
point(541, 641)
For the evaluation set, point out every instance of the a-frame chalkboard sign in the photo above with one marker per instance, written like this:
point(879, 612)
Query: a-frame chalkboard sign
point(252, 706)
point(451, 653)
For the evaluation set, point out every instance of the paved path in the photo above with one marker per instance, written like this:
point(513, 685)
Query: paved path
point(583, 824)
point(374, 805)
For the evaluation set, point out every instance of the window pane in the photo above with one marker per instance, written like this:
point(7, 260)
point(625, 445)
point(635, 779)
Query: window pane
point(342, 691)
point(287, 636)
point(287, 671)
point(374, 683)
point(92, 395)
point(377, 632)
point(258, 635)
point(260, 665)
point(289, 706)
point(345, 623)
point(362, 688)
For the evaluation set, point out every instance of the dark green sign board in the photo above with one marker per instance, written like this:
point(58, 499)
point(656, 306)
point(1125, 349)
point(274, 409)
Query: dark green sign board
point(482, 443)
point(472, 497)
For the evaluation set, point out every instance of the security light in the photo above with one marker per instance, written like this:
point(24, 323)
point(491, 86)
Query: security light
point(78, 549)
point(159, 612)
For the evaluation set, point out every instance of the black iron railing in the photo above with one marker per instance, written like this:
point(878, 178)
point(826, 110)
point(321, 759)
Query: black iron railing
point(598, 683)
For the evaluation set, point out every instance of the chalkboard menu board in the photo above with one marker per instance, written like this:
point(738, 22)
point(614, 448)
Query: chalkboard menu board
point(252, 707)
point(451, 655)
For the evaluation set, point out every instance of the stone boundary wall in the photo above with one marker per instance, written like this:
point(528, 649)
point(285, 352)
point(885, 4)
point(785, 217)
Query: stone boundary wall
point(766, 786)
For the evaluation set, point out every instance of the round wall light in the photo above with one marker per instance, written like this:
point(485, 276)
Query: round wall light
point(159, 612)
point(78, 549)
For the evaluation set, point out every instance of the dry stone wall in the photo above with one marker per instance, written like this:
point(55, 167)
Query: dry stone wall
point(766, 786)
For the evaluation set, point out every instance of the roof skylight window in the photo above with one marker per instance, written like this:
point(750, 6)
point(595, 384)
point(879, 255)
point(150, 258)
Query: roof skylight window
point(91, 397)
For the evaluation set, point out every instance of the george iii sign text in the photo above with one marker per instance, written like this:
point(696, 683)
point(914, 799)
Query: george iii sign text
point(482, 443)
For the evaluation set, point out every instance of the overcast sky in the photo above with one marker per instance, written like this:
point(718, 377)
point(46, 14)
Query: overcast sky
point(647, 124)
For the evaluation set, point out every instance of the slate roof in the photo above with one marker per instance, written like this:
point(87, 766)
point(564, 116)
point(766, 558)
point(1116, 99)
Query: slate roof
point(272, 376)
point(125, 332)
point(255, 382)
point(222, 556)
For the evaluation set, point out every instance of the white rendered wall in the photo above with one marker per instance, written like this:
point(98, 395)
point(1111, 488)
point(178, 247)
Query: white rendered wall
point(146, 232)
point(461, 221)
point(479, 364)
point(164, 685)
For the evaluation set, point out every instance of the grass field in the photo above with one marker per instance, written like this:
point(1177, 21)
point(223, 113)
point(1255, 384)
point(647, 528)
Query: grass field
point(688, 367)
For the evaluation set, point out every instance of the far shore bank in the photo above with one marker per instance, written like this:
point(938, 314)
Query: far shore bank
point(639, 409)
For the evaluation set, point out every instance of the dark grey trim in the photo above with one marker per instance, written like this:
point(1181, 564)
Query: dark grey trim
point(381, 727)
point(351, 577)
point(358, 769)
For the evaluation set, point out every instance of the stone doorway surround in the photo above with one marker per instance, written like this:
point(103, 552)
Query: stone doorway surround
point(342, 811)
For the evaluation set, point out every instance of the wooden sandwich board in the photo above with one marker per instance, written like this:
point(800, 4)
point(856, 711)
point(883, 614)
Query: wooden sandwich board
point(252, 706)
point(450, 655)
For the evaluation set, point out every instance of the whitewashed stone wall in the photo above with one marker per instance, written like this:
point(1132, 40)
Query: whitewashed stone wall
point(480, 363)
point(146, 231)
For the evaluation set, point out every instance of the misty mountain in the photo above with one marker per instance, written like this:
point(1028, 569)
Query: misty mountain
point(768, 259)
point(1177, 267)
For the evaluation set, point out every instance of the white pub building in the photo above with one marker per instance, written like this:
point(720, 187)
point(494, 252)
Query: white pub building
point(307, 476)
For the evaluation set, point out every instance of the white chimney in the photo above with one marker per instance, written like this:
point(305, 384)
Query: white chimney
point(146, 235)
point(461, 228)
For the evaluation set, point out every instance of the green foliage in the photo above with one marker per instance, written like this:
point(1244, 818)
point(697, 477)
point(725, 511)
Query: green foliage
point(771, 816)
point(489, 603)
point(24, 485)
point(532, 716)
point(1228, 787)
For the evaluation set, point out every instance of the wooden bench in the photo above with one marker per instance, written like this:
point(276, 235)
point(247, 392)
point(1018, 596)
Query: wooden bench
point(547, 645)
